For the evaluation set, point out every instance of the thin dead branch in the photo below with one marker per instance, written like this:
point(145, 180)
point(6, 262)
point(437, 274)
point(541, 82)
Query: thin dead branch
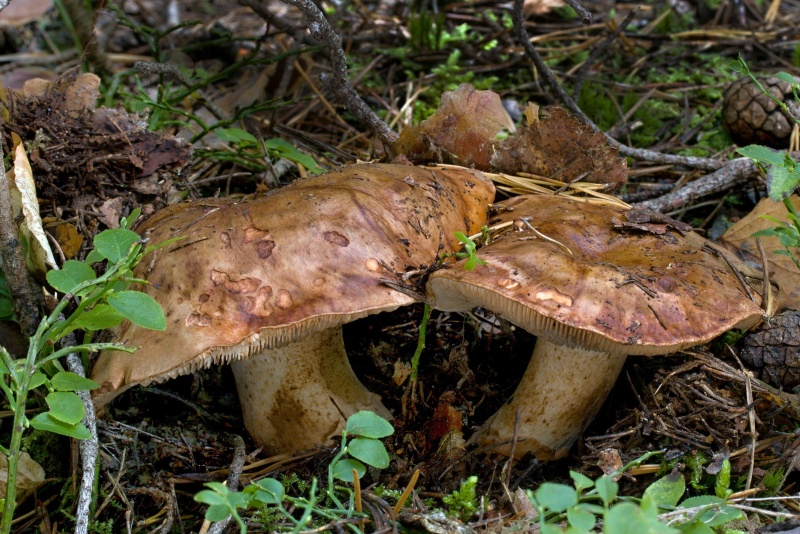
point(339, 83)
point(636, 153)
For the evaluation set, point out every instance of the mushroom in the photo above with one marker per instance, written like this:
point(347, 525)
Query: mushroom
point(595, 284)
point(267, 284)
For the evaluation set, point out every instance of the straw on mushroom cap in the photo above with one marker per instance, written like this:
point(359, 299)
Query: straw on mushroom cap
point(269, 283)
point(594, 287)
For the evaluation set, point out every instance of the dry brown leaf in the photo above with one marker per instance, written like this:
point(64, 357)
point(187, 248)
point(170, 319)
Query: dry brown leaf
point(609, 461)
point(782, 269)
point(39, 256)
point(30, 475)
point(68, 239)
point(21, 12)
point(402, 370)
point(540, 7)
point(561, 147)
point(463, 130)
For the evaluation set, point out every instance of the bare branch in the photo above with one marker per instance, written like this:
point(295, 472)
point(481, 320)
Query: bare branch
point(733, 173)
point(636, 153)
point(339, 83)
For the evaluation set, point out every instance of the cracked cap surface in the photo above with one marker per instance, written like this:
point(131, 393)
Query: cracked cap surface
point(627, 292)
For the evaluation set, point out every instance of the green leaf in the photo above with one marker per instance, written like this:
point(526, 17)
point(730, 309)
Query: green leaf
point(266, 491)
point(716, 515)
point(217, 512)
point(343, 469)
point(581, 519)
point(667, 491)
point(217, 494)
point(762, 154)
point(695, 527)
point(290, 152)
point(781, 182)
point(71, 275)
point(66, 406)
point(235, 135)
point(368, 425)
point(67, 381)
point(140, 308)
point(723, 481)
point(627, 518)
point(556, 497)
point(471, 263)
point(370, 451)
point(47, 423)
point(93, 257)
point(37, 379)
point(101, 317)
point(786, 77)
point(581, 481)
point(606, 489)
point(115, 244)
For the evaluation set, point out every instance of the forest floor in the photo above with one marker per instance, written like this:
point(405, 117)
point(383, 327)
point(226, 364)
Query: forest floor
point(193, 75)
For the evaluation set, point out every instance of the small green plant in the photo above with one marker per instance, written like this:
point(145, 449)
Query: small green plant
point(470, 252)
point(360, 445)
point(581, 507)
point(101, 302)
point(781, 171)
point(248, 153)
point(463, 503)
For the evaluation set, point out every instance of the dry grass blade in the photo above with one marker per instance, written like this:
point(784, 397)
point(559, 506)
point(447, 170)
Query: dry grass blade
point(538, 185)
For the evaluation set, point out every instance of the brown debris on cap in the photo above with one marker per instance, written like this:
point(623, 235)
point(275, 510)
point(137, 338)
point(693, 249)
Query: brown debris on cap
point(561, 147)
point(626, 293)
point(308, 257)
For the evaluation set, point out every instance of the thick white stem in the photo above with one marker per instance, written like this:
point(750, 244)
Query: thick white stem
point(299, 395)
point(560, 393)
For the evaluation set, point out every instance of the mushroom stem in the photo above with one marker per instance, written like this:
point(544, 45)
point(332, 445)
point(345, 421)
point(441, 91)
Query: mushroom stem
point(298, 396)
point(560, 393)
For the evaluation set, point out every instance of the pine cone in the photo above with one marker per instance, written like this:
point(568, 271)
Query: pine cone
point(752, 117)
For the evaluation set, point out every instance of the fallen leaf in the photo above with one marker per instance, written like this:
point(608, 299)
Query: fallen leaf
point(111, 211)
point(540, 7)
point(30, 475)
point(462, 131)
point(21, 12)
point(609, 461)
point(39, 257)
point(68, 239)
point(402, 370)
point(782, 270)
point(563, 148)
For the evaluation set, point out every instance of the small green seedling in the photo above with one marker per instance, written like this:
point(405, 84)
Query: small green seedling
point(360, 447)
point(470, 252)
point(101, 302)
point(463, 503)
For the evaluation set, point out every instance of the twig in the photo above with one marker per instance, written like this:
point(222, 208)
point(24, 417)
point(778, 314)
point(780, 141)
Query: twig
point(340, 84)
point(586, 17)
point(237, 465)
point(89, 447)
point(625, 150)
point(25, 292)
point(733, 173)
point(599, 49)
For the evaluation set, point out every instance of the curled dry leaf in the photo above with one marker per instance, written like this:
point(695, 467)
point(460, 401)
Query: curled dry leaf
point(463, 130)
point(30, 475)
point(782, 270)
point(563, 148)
point(39, 256)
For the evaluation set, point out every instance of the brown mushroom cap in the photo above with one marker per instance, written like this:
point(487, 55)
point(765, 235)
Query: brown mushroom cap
point(596, 284)
point(255, 275)
point(619, 291)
